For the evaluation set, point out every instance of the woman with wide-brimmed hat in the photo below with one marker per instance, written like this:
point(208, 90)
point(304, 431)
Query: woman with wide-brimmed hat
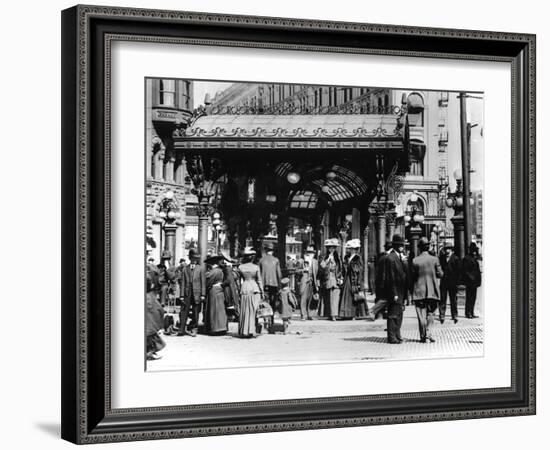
point(215, 315)
point(353, 304)
point(331, 279)
point(251, 293)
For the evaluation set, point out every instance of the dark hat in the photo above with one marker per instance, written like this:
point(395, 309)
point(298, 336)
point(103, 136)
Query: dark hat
point(269, 246)
point(166, 254)
point(473, 247)
point(397, 239)
point(449, 245)
point(387, 245)
point(214, 259)
point(423, 242)
point(193, 254)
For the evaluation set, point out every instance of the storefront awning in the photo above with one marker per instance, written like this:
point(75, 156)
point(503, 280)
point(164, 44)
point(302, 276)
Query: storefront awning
point(352, 131)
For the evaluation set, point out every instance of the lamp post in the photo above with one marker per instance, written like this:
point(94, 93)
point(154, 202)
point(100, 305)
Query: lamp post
point(455, 200)
point(169, 213)
point(414, 218)
point(216, 227)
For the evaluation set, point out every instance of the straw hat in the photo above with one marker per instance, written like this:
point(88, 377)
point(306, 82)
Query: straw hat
point(333, 242)
point(353, 243)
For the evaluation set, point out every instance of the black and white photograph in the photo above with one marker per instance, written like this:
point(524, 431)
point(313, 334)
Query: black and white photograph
point(291, 224)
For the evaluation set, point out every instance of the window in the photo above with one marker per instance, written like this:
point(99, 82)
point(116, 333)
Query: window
point(184, 95)
point(167, 92)
point(415, 108)
point(416, 167)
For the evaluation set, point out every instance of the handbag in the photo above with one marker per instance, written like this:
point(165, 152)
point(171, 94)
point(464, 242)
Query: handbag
point(359, 297)
point(314, 302)
point(264, 310)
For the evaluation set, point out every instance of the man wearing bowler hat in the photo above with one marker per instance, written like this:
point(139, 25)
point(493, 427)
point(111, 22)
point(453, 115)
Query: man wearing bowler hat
point(424, 272)
point(192, 293)
point(452, 267)
point(393, 287)
point(472, 279)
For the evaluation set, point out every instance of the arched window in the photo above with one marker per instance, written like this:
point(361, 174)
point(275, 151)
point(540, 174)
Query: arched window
point(415, 109)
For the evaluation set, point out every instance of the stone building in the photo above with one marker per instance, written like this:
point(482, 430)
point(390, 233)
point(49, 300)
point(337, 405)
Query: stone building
point(169, 105)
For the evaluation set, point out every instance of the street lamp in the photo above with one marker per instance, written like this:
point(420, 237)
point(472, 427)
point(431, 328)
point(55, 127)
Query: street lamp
point(414, 218)
point(293, 177)
point(455, 200)
point(169, 212)
point(216, 224)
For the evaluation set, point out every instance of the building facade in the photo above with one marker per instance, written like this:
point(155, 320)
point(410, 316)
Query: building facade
point(171, 202)
point(169, 105)
point(434, 131)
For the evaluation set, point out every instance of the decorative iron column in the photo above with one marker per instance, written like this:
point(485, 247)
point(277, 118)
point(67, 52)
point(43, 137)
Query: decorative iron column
point(282, 224)
point(366, 258)
point(391, 216)
point(203, 213)
point(381, 229)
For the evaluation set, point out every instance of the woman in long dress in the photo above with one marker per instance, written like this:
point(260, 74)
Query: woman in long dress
point(251, 293)
point(231, 289)
point(215, 305)
point(154, 317)
point(353, 303)
point(331, 280)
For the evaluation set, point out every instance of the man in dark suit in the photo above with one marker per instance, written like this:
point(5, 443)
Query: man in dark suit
point(424, 272)
point(380, 302)
point(451, 266)
point(193, 293)
point(472, 279)
point(270, 269)
point(393, 287)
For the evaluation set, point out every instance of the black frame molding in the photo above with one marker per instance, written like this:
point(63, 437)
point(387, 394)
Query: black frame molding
point(87, 33)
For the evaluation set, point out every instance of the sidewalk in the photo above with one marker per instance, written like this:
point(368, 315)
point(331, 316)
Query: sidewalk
point(322, 341)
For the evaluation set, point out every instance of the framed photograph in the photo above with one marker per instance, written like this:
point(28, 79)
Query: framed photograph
point(279, 224)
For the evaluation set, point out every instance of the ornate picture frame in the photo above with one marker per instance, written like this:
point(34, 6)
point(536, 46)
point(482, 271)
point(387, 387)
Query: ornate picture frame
point(87, 35)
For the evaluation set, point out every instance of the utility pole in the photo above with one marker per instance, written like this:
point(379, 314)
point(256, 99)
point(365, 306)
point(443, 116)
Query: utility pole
point(464, 132)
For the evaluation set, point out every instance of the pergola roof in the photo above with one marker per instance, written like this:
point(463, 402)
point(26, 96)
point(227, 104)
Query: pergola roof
point(298, 130)
point(346, 184)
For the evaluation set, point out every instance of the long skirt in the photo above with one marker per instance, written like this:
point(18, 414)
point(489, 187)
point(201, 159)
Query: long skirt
point(333, 297)
point(155, 343)
point(247, 316)
point(347, 307)
point(217, 317)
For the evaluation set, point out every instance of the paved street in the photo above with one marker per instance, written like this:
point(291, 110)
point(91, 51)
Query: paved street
point(322, 341)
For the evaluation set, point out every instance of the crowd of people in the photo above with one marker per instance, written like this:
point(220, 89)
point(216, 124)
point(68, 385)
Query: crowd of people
point(426, 281)
point(252, 290)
